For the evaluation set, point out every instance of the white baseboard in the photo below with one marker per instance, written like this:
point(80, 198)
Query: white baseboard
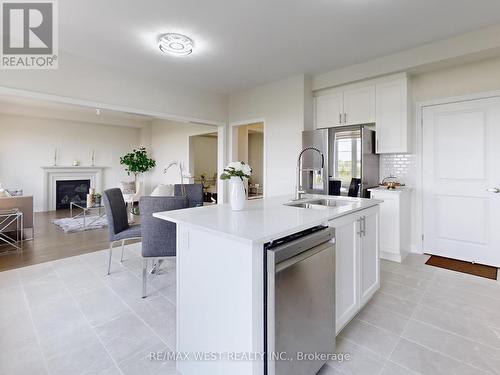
point(393, 257)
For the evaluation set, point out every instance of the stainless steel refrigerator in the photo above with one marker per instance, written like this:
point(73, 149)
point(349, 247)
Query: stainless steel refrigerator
point(351, 165)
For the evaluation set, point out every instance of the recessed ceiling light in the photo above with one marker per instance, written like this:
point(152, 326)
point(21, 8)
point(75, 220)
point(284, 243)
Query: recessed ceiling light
point(175, 44)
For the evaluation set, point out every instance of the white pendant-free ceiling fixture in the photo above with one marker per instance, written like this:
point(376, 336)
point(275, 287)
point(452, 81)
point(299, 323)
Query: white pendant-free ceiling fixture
point(175, 44)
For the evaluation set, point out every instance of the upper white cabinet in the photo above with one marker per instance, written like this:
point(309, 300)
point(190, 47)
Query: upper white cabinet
point(345, 107)
point(328, 110)
point(384, 101)
point(392, 116)
point(359, 106)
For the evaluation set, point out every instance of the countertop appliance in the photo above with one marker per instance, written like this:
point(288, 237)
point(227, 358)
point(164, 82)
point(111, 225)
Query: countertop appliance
point(299, 306)
point(349, 159)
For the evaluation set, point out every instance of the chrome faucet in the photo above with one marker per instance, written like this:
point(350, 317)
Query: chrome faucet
point(299, 190)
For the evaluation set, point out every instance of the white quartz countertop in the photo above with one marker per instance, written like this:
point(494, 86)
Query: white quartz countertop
point(264, 219)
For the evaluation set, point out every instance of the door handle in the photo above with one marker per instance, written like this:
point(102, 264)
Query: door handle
point(493, 190)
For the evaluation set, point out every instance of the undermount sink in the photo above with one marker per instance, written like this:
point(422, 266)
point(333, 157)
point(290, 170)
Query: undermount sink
point(305, 205)
point(320, 203)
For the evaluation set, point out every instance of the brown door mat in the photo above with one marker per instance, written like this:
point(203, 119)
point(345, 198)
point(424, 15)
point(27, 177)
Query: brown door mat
point(475, 269)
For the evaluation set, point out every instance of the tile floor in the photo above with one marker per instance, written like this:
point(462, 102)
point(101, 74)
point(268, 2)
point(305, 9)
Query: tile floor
point(424, 320)
point(68, 317)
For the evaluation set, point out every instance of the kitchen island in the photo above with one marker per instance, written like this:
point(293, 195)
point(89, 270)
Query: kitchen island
point(221, 271)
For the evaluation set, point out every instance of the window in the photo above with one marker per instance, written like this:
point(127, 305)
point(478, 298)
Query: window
point(347, 162)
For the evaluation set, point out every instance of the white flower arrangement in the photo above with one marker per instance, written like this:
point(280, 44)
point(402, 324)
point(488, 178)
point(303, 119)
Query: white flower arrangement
point(236, 169)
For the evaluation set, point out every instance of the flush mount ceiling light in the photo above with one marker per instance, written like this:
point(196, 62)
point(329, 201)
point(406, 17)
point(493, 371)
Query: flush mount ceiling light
point(175, 44)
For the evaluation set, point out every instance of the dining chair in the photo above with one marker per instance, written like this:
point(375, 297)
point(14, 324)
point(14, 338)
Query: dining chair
point(158, 236)
point(354, 187)
point(118, 225)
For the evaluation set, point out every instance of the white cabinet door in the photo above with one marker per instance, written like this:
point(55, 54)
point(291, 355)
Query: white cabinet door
point(328, 110)
point(369, 255)
point(389, 225)
point(347, 241)
point(392, 116)
point(359, 106)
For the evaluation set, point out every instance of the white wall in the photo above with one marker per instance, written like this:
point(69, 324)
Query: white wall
point(256, 157)
point(457, 50)
point(170, 141)
point(204, 155)
point(281, 105)
point(28, 143)
point(459, 80)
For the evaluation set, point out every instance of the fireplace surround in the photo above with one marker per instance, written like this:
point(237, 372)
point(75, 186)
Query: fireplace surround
point(53, 174)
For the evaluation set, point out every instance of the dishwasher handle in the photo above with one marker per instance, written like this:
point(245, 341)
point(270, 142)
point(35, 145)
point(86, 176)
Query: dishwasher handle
point(302, 256)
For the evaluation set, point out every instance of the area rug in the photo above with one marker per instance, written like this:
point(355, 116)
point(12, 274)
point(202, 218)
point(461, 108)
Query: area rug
point(480, 270)
point(69, 225)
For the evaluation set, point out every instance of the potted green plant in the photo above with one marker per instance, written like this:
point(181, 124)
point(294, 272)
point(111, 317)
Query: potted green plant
point(137, 162)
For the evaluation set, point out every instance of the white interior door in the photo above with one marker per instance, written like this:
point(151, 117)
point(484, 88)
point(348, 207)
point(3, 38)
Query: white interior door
point(461, 170)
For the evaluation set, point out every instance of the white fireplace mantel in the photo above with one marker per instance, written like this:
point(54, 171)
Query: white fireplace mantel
point(52, 174)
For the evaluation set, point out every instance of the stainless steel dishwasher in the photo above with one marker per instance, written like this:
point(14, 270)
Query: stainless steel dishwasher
point(299, 302)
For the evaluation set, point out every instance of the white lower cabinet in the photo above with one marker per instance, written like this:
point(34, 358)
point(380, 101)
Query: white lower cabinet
point(394, 222)
point(369, 256)
point(357, 265)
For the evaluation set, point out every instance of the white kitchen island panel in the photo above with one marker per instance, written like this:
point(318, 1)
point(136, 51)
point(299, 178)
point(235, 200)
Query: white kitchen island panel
point(219, 302)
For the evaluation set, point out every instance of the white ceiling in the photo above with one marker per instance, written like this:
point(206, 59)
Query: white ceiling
point(243, 43)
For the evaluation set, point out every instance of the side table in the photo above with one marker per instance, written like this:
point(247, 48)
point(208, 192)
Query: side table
point(7, 218)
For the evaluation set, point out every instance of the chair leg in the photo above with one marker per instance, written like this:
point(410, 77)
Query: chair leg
point(110, 253)
point(144, 276)
point(123, 248)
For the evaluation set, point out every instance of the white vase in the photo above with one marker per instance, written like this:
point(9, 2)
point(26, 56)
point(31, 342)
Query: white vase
point(237, 196)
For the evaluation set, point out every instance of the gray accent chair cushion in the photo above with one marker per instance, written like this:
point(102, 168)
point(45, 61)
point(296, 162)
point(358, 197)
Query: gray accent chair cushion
point(159, 236)
point(133, 231)
point(116, 213)
point(194, 193)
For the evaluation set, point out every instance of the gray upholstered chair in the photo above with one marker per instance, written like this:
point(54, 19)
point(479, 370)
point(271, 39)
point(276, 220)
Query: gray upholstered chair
point(119, 228)
point(158, 236)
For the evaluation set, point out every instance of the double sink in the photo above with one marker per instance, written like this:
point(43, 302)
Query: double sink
point(322, 203)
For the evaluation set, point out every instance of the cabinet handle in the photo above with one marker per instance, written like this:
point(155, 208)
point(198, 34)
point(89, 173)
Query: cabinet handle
point(340, 118)
point(345, 118)
point(360, 233)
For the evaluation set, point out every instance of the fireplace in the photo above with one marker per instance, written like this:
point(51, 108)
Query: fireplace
point(68, 191)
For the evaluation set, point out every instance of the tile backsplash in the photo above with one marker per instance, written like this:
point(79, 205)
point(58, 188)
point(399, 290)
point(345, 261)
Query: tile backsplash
point(400, 165)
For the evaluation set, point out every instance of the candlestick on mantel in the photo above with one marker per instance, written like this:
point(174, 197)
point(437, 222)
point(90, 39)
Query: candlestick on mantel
point(55, 157)
point(93, 158)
